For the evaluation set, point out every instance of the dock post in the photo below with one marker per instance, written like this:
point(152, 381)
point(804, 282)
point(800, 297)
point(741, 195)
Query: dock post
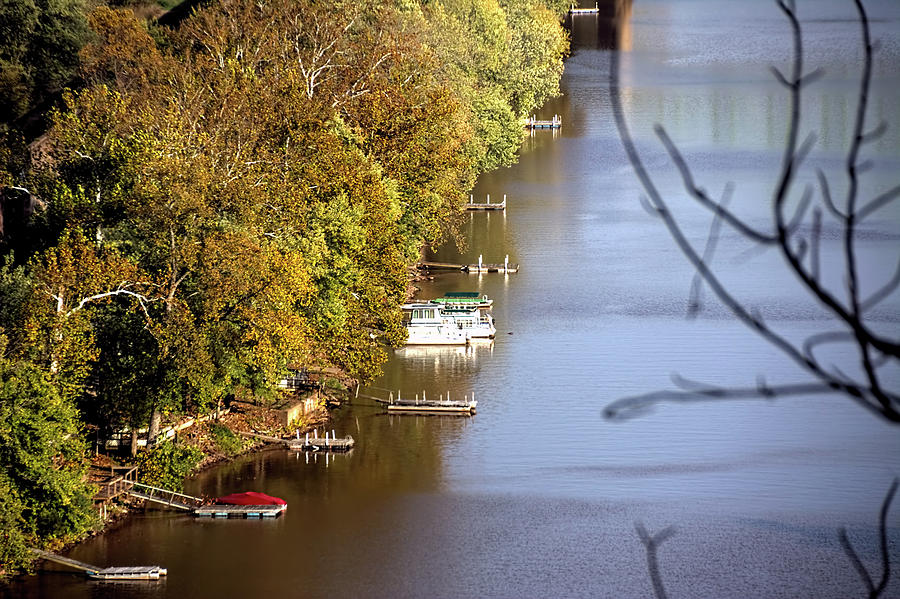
point(488, 201)
point(471, 198)
point(315, 433)
point(479, 262)
point(506, 264)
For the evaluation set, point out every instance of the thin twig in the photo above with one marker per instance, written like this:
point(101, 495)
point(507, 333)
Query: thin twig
point(651, 545)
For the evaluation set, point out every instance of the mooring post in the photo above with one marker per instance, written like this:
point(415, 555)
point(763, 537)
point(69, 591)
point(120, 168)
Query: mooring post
point(506, 264)
point(479, 262)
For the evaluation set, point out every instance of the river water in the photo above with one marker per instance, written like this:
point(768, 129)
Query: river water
point(538, 494)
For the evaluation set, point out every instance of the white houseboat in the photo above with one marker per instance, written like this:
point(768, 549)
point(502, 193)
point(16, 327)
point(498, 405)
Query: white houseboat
point(433, 323)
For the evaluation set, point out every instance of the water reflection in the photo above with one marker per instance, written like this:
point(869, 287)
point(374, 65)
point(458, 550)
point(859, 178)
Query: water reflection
point(607, 29)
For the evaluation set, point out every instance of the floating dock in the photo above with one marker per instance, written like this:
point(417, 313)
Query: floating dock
point(129, 573)
point(314, 443)
point(325, 443)
point(98, 573)
point(466, 407)
point(221, 510)
point(554, 123)
point(480, 267)
point(472, 205)
point(584, 11)
point(197, 508)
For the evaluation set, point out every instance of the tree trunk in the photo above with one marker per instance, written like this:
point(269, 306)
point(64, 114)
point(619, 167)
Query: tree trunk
point(155, 420)
point(134, 441)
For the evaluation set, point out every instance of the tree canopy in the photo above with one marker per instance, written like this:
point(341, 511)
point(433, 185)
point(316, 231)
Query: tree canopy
point(217, 202)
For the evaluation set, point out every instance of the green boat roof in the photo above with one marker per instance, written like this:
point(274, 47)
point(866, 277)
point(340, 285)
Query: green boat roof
point(461, 294)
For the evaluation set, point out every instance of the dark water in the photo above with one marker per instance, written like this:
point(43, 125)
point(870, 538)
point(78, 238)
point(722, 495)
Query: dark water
point(538, 495)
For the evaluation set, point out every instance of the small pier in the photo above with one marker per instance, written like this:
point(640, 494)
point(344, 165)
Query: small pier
point(307, 443)
point(480, 267)
point(98, 573)
point(472, 205)
point(554, 123)
point(222, 510)
point(573, 10)
point(197, 507)
point(441, 406)
point(317, 443)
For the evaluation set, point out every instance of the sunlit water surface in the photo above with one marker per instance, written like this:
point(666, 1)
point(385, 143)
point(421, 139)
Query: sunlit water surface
point(538, 495)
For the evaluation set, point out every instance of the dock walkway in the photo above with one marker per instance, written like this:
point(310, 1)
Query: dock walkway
point(487, 205)
point(480, 267)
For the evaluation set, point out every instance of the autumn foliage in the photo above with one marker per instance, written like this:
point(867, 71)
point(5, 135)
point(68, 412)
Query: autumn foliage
point(246, 192)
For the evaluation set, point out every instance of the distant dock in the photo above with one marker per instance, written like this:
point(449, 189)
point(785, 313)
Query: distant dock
point(464, 407)
point(554, 123)
point(480, 267)
point(584, 11)
point(472, 205)
point(239, 511)
point(314, 443)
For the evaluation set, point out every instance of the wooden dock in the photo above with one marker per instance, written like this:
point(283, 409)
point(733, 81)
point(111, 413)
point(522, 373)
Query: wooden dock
point(98, 573)
point(307, 443)
point(441, 406)
point(221, 510)
point(480, 267)
point(326, 443)
point(472, 205)
point(554, 123)
point(196, 506)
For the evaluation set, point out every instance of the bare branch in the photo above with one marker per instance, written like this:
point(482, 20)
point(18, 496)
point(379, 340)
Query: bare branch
point(702, 197)
point(815, 238)
point(874, 590)
point(708, 251)
point(879, 202)
point(826, 196)
point(882, 293)
point(651, 545)
point(637, 405)
point(829, 337)
point(874, 134)
point(143, 300)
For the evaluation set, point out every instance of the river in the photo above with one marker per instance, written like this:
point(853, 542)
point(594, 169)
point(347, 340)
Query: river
point(538, 495)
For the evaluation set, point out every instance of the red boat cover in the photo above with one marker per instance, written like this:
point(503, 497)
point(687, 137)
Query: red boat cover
point(250, 498)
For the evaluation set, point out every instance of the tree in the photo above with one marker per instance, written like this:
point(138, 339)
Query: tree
point(39, 44)
point(796, 235)
point(42, 462)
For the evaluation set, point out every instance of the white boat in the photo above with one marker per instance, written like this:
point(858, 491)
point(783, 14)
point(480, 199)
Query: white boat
point(432, 323)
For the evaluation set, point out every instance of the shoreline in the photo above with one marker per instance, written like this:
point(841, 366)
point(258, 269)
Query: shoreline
point(120, 509)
